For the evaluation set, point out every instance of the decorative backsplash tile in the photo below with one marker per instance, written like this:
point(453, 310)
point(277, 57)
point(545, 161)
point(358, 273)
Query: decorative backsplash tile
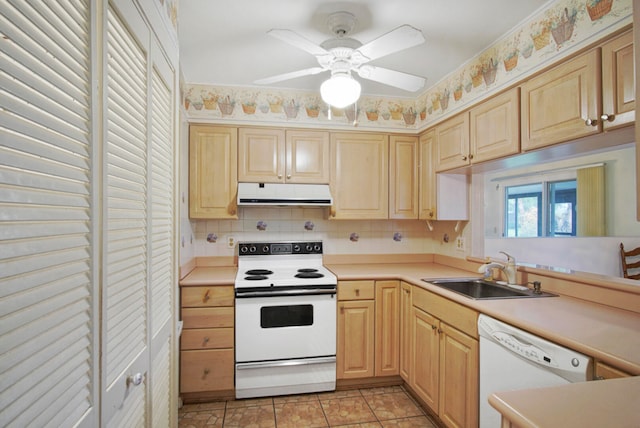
point(562, 28)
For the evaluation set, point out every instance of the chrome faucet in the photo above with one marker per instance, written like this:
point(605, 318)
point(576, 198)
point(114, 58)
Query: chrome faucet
point(509, 268)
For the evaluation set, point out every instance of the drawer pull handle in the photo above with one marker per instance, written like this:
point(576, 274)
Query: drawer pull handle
point(206, 296)
point(205, 373)
point(205, 341)
point(357, 292)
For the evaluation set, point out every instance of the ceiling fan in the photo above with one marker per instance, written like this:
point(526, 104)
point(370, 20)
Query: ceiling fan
point(342, 55)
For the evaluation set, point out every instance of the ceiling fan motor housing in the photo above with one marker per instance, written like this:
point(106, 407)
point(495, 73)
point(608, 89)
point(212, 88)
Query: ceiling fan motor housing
point(341, 23)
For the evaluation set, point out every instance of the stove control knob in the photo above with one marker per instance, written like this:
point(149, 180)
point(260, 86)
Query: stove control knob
point(296, 248)
point(316, 248)
point(308, 248)
point(265, 249)
point(252, 249)
point(243, 249)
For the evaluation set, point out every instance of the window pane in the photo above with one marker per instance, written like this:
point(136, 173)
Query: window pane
point(562, 208)
point(523, 210)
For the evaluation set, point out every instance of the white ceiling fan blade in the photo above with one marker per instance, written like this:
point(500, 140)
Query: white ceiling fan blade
point(291, 75)
point(405, 81)
point(295, 39)
point(401, 38)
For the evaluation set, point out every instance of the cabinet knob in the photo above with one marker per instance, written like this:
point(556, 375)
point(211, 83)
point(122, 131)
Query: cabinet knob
point(288, 176)
point(357, 292)
point(205, 341)
point(433, 327)
point(470, 157)
point(464, 158)
point(206, 296)
point(205, 372)
point(439, 330)
point(608, 117)
point(591, 122)
point(279, 175)
point(135, 379)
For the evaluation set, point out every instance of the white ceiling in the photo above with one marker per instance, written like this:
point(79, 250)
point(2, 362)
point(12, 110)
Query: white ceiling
point(224, 42)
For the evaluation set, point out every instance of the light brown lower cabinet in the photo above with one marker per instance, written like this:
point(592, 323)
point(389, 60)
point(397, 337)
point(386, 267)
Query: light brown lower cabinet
point(368, 329)
point(207, 341)
point(444, 371)
point(604, 371)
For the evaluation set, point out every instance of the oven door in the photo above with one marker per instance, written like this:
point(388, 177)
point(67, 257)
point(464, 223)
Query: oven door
point(285, 327)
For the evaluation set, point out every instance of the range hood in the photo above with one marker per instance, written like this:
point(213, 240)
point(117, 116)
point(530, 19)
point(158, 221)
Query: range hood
point(276, 194)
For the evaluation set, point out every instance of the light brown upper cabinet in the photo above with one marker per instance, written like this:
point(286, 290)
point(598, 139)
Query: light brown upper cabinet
point(279, 156)
point(427, 170)
point(403, 177)
point(618, 83)
point(563, 103)
point(495, 127)
point(213, 171)
point(359, 175)
point(452, 142)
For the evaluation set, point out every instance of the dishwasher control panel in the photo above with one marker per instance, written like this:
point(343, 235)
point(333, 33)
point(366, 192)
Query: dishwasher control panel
point(526, 350)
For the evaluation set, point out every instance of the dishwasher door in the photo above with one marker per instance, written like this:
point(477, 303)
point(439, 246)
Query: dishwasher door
point(512, 359)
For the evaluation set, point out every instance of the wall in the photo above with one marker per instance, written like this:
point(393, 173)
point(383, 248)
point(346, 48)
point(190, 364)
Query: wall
point(284, 224)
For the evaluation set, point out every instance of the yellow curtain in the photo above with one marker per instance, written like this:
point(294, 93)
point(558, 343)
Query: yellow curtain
point(590, 201)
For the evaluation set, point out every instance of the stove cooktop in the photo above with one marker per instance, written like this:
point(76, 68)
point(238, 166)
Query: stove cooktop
point(274, 264)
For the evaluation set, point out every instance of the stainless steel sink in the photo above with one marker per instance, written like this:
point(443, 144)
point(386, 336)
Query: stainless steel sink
point(480, 289)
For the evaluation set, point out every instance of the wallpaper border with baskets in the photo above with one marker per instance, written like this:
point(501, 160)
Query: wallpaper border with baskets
point(559, 30)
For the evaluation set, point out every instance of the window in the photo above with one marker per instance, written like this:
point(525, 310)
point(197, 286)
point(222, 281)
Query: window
point(524, 213)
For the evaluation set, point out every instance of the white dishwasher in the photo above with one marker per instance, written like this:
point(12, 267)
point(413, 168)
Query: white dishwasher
point(512, 359)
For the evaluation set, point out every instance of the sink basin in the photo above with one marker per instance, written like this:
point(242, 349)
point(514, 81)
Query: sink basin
point(480, 289)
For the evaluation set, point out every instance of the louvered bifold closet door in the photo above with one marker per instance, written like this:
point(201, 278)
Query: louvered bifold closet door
point(125, 312)
point(48, 316)
point(162, 237)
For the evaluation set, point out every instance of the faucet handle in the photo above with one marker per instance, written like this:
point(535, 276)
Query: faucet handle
point(509, 257)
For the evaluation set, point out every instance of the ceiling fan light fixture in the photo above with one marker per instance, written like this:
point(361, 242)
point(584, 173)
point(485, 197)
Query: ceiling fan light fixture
point(340, 90)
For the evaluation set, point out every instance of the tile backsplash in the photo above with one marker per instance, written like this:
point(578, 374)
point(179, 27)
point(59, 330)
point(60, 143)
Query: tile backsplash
point(218, 237)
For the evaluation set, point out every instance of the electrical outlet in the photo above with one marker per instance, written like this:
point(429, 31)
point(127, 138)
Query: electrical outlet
point(231, 241)
point(460, 244)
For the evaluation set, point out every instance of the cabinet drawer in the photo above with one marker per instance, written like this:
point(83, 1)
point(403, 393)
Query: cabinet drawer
point(454, 314)
point(206, 338)
point(207, 317)
point(207, 296)
point(356, 290)
point(211, 370)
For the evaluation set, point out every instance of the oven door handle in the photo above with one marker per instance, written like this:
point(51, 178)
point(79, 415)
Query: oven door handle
point(285, 363)
point(280, 293)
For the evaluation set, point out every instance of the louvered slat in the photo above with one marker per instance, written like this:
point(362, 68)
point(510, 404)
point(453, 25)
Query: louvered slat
point(160, 383)
point(46, 333)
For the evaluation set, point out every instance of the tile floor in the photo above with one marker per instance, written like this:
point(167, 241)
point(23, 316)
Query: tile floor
point(366, 408)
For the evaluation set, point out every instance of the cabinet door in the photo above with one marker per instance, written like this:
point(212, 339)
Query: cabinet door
point(605, 371)
point(261, 155)
point(458, 378)
point(452, 143)
point(403, 177)
point(360, 176)
point(307, 157)
point(213, 154)
point(495, 127)
point(618, 82)
point(387, 328)
point(556, 104)
point(355, 356)
point(427, 176)
point(405, 331)
point(425, 369)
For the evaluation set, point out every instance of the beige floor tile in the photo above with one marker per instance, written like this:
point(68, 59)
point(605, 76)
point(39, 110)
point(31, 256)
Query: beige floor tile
point(339, 394)
point(250, 417)
point(249, 402)
point(415, 422)
point(306, 414)
point(393, 405)
point(347, 410)
point(209, 418)
point(294, 398)
point(381, 390)
point(363, 425)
